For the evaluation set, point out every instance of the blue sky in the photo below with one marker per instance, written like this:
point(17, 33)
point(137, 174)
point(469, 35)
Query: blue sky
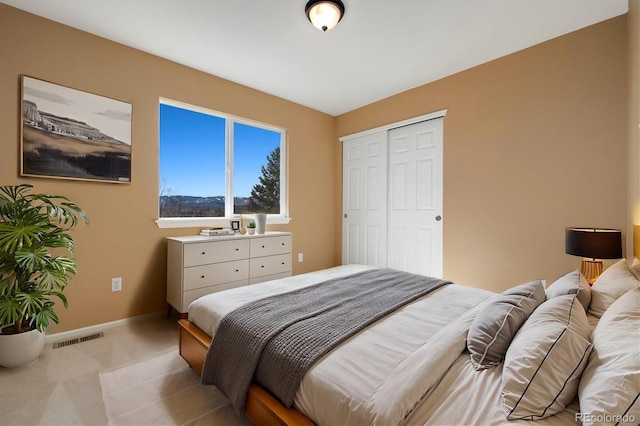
point(192, 153)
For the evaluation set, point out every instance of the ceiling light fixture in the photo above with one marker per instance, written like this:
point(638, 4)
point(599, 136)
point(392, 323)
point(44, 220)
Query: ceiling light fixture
point(324, 14)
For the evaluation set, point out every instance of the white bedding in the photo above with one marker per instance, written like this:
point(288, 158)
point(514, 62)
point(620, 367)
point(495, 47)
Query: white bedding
point(371, 378)
point(404, 369)
point(207, 311)
point(465, 396)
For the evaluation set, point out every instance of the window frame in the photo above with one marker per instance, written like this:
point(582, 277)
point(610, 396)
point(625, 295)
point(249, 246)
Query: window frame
point(190, 222)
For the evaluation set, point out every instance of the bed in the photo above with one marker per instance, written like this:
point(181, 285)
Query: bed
point(414, 366)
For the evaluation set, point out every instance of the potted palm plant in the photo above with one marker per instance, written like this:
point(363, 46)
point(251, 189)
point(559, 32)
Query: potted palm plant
point(33, 229)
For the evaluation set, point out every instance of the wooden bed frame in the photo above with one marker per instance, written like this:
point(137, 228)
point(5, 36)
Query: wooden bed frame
point(261, 408)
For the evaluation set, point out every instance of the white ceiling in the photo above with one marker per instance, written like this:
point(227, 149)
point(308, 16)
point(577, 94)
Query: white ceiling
point(380, 48)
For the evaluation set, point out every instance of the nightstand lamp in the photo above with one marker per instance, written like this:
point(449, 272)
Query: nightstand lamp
point(595, 244)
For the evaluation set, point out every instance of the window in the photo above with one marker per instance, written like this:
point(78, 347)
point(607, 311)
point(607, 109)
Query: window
point(216, 166)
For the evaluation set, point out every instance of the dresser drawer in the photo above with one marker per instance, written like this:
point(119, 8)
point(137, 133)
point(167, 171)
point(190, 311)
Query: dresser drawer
point(215, 251)
point(269, 246)
point(199, 265)
point(191, 295)
point(269, 265)
point(215, 274)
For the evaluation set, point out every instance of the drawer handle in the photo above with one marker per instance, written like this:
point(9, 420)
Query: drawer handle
point(202, 276)
point(237, 249)
point(283, 263)
point(282, 243)
point(203, 253)
point(237, 270)
point(262, 266)
point(262, 246)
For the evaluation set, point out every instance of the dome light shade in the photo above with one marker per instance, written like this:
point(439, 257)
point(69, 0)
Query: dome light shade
point(324, 14)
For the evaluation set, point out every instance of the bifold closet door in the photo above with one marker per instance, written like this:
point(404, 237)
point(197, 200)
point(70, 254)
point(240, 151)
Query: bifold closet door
point(415, 198)
point(364, 229)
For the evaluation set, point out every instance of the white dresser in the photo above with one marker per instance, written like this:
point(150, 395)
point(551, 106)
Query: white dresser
point(198, 265)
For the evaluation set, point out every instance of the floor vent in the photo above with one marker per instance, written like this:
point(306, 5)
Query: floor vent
point(77, 340)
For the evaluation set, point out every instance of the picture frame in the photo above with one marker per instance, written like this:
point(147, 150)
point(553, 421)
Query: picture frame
point(235, 225)
point(67, 133)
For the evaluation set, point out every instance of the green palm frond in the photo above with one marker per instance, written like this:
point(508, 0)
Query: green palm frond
point(31, 303)
point(41, 320)
point(57, 238)
point(11, 311)
point(30, 276)
point(52, 279)
point(32, 258)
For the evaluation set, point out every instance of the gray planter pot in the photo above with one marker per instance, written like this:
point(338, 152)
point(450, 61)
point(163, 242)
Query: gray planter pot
point(261, 222)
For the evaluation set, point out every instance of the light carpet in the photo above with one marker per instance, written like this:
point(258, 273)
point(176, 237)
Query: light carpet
point(164, 391)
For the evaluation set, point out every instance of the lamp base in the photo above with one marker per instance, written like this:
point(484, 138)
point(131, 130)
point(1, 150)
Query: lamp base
point(591, 269)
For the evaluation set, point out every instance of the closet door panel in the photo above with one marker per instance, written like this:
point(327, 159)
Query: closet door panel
point(399, 257)
point(424, 244)
point(399, 185)
point(415, 210)
point(424, 193)
point(393, 196)
point(364, 200)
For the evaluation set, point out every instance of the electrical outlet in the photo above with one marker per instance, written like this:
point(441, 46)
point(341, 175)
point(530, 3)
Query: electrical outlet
point(300, 257)
point(116, 284)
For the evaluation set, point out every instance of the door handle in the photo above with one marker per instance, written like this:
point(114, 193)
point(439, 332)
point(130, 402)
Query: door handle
point(438, 218)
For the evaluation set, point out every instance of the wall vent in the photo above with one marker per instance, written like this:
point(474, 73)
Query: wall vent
point(77, 340)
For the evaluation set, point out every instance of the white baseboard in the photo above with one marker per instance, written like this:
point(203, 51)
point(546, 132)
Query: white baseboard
point(80, 332)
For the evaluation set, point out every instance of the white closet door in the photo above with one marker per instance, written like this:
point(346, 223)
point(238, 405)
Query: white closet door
point(415, 198)
point(364, 230)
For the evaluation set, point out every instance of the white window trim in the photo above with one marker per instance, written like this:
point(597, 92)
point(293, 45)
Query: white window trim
point(218, 222)
point(272, 219)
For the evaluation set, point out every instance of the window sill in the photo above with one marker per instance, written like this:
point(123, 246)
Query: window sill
point(208, 222)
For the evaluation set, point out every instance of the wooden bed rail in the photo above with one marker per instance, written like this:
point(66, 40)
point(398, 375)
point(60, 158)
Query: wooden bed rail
point(261, 408)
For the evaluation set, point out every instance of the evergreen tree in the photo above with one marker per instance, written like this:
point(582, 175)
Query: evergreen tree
point(265, 196)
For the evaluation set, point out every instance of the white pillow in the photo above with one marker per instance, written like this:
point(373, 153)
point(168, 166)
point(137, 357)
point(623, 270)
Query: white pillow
point(615, 281)
point(572, 283)
point(635, 267)
point(610, 385)
point(543, 365)
point(497, 322)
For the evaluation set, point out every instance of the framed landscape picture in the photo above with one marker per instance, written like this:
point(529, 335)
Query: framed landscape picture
point(71, 134)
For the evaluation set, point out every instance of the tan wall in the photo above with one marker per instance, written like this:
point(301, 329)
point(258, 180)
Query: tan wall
point(533, 142)
point(634, 123)
point(123, 240)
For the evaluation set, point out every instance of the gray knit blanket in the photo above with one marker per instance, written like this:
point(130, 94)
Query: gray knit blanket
point(275, 340)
